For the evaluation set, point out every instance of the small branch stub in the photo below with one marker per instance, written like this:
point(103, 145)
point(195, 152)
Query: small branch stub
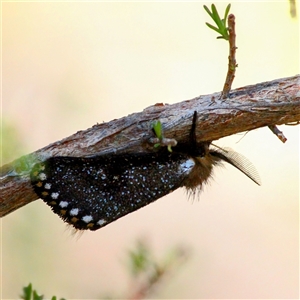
point(278, 133)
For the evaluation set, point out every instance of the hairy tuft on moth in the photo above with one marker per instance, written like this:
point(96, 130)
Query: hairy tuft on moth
point(91, 192)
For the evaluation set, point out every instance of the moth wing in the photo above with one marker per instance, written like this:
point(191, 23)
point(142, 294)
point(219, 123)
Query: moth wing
point(90, 193)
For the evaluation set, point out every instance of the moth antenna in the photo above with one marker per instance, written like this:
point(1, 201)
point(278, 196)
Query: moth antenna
point(193, 138)
point(196, 149)
point(237, 160)
point(218, 147)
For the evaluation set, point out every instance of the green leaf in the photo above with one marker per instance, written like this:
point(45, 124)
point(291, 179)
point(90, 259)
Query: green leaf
point(226, 13)
point(27, 290)
point(213, 27)
point(139, 259)
point(216, 17)
point(157, 127)
point(36, 296)
point(208, 11)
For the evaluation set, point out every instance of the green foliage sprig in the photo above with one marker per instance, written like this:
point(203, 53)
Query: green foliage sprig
point(30, 294)
point(221, 23)
point(157, 127)
point(162, 141)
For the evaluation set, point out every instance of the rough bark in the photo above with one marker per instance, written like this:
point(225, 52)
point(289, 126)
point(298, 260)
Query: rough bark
point(269, 103)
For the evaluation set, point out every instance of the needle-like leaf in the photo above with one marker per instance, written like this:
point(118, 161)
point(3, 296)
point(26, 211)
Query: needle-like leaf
point(221, 23)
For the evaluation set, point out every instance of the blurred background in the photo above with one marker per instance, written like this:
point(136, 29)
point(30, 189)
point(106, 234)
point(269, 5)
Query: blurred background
point(69, 65)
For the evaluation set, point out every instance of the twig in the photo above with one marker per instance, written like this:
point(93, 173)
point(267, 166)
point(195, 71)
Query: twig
point(232, 65)
point(159, 272)
point(293, 10)
point(231, 58)
point(278, 133)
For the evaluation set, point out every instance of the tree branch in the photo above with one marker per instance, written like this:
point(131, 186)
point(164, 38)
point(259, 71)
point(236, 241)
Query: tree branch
point(247, 108)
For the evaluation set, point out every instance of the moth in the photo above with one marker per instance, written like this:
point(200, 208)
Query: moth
point(91, 192)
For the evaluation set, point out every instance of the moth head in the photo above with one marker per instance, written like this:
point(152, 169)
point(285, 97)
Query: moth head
point(212, 156)
point(203, 169)
point(206, 156)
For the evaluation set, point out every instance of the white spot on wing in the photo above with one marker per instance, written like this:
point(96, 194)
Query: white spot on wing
point(42, 176)
point(87, 219)
point(47, 186)
point(54, 195)
point(101, 222)
point(63, 204)
point(186, 166)
point(74, 212)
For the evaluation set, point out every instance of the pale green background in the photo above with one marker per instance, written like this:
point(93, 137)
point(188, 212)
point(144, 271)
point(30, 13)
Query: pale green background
point(67, 66)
